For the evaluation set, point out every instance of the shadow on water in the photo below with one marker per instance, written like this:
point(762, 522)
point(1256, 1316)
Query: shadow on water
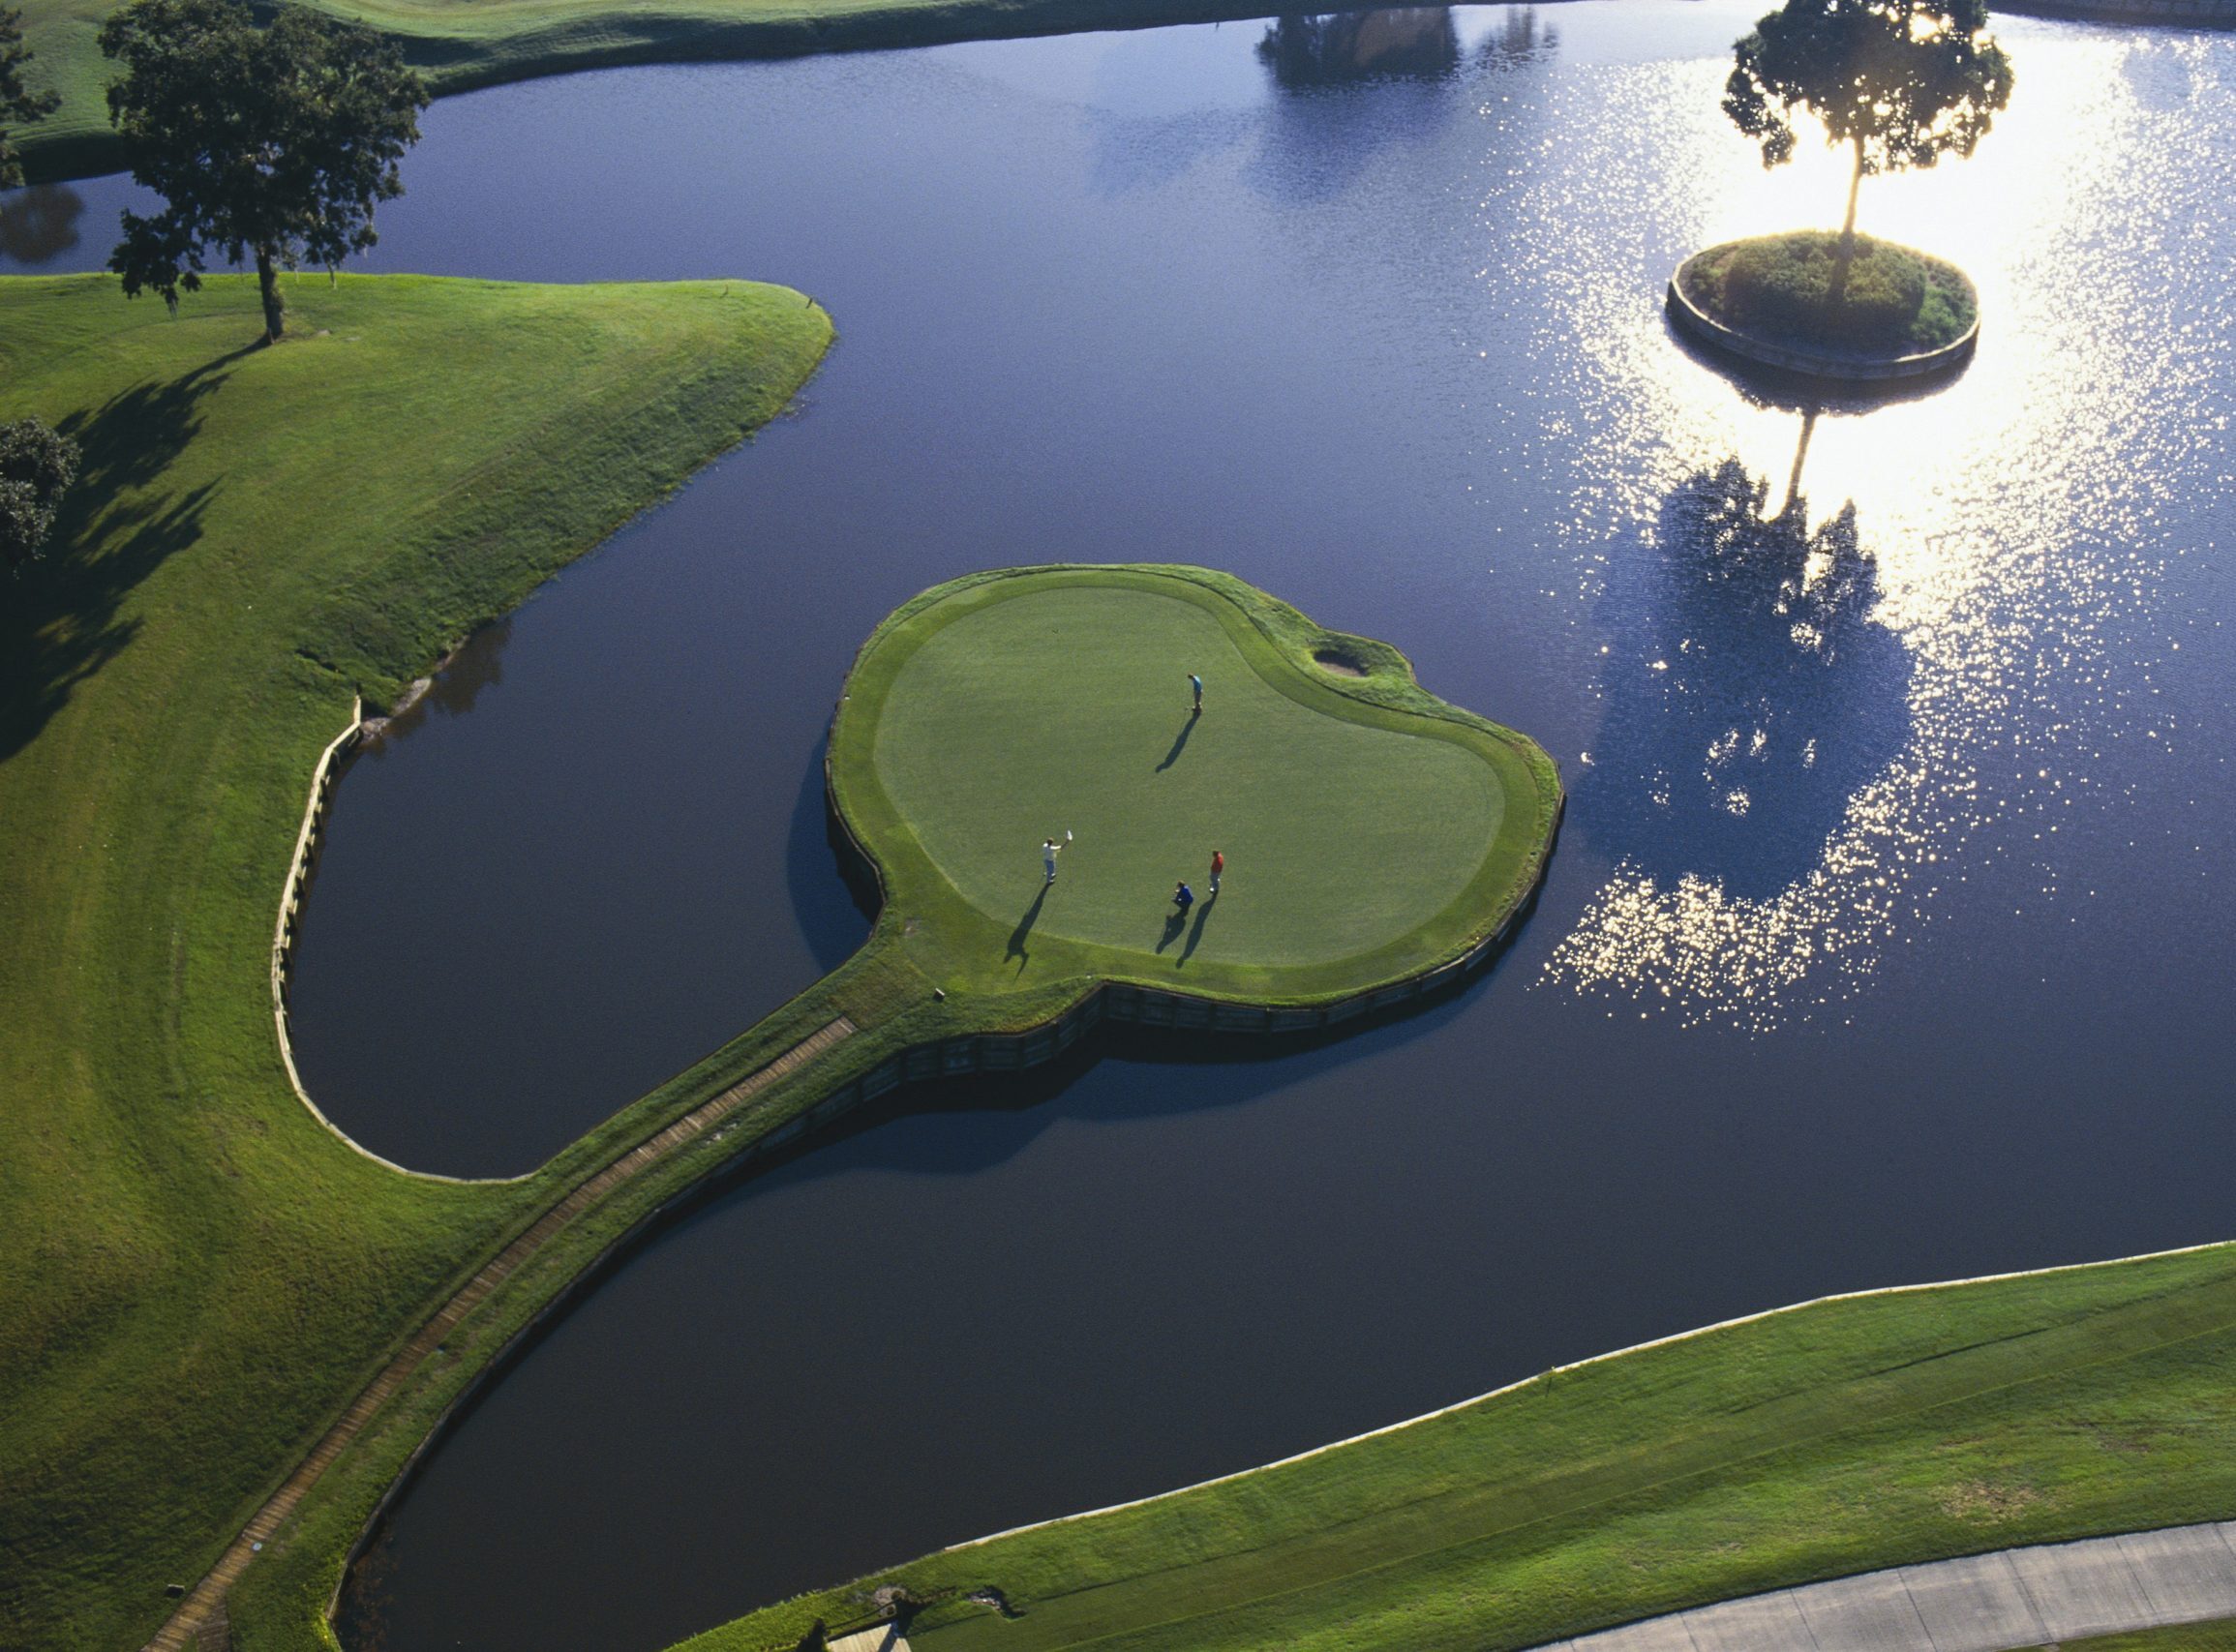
point(59, 619)
point(1751, 693)
point(40, 223)
point(835, 913)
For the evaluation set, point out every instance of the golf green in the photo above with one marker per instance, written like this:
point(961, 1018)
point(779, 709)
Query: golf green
point(1369, 829)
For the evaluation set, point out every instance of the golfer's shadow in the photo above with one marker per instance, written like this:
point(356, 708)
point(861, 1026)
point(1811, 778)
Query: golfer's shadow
point(1178, 921)
point(1024, 930)
point(1179, 744)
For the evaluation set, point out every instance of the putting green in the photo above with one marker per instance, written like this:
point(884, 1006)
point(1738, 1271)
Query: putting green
point(1369, 830)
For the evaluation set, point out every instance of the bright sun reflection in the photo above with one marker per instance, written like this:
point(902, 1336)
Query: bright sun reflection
point(2012, 515)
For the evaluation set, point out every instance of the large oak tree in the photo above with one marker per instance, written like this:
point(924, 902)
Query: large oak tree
point(273, 145)
point(1897, 82)
point(37, 465)
point(18, 104)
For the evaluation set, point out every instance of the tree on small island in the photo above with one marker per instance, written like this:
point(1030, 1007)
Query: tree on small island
point(37, 465)
point(274, 143)
point(1899, 82)
point(18, 104)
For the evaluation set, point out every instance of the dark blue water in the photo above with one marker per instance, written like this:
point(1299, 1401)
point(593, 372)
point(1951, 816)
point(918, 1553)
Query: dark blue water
point(1886, 941)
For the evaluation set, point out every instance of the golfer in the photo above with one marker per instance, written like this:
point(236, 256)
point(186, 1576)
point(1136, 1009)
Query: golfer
point(1183, 897)
point(1197, 683)
point(1217, 866)
point(1049, 850)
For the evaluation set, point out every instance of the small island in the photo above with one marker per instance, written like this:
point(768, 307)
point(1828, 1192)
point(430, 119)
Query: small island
point(1903, 313)
point(1898, 84)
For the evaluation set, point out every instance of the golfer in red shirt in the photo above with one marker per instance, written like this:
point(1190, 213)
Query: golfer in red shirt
point(1217, 866)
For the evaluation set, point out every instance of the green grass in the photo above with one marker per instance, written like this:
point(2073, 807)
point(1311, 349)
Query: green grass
point(2219, 1636)
point(1371, 831)
point(1898, 300)
point(2181, 1637)
point(1834, 1438)
point(464, 43)
point(196, 1276)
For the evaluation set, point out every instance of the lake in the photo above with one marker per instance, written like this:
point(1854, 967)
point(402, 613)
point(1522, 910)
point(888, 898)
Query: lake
point(1887, 937)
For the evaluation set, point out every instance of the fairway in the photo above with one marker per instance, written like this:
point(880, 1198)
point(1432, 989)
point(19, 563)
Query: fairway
point(1068, 708)
point(1371, 831)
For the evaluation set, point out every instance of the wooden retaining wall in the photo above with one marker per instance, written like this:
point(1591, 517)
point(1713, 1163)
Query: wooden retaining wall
point(1691, 320)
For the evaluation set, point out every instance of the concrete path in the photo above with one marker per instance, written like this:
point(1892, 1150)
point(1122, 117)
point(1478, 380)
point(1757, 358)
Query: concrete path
point(202, 1619)
point(1988, 1603)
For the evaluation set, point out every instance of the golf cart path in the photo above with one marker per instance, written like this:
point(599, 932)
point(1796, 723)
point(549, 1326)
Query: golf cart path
point(2013, 1598)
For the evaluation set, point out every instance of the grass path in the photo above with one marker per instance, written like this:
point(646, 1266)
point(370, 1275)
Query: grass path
point(197, 1276)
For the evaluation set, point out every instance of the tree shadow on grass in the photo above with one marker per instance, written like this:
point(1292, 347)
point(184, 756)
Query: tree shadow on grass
point(59, 618)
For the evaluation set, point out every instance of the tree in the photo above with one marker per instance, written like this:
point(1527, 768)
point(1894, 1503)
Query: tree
point(1899, 82)
point(37, 465)
point(18, 104)
point(275, 143)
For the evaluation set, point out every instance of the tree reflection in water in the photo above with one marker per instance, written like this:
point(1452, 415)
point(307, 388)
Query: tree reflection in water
point(1410, 42)
point(39, 224)
point(476, 663)
point(1751, 694)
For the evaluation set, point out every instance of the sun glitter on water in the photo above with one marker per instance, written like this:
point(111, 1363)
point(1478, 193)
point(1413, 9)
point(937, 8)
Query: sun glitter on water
point(2010, 519)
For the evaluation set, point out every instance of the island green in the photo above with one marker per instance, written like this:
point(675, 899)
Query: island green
point(1371, 832)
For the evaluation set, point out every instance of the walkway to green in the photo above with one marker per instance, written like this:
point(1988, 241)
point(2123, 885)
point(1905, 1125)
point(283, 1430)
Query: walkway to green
point(2008, 1601)
point(205, 1602)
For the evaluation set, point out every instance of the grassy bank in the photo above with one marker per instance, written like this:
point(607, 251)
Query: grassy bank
point(1838, 1438)
point(2182, 1638)
point(464, 43)
point(1371, 831)
point(1898, 301)
point(198, 1276)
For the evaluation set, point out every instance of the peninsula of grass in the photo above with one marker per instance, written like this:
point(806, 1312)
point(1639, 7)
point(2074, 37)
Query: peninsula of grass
point(1902, 311)
point(195, 1276)
point(1834, 1438)
point(1371, 832)
point(460, 45)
